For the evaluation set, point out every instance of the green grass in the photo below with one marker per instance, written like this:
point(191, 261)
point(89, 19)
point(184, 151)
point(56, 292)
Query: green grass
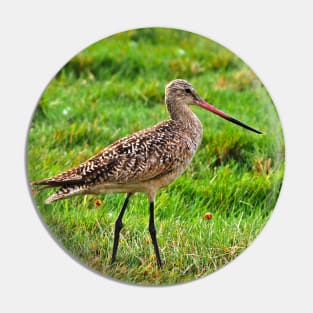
point(116, 87)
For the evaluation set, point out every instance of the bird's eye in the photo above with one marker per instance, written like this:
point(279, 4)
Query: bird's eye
point(187, 90)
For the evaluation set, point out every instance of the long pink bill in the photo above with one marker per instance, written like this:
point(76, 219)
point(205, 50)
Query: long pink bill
point(227, 117)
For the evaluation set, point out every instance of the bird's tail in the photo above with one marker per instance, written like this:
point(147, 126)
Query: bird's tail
point(66, 190)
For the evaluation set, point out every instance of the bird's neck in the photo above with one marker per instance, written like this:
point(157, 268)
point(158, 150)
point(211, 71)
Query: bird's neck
point(181, 112)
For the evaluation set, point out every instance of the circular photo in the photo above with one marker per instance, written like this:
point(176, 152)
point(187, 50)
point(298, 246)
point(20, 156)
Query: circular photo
point(155, 156)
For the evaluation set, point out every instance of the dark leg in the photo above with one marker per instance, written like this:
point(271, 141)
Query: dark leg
point(153, 235)
point(118, 227)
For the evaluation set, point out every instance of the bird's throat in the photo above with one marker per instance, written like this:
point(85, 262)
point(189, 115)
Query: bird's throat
point(182, 113)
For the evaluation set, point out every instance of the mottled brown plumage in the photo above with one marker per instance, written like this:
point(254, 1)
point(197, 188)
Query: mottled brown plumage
point(144, 161)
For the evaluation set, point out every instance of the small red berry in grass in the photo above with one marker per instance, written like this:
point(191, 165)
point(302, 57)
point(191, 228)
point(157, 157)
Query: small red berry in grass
point(97, 202)
point(208, 216)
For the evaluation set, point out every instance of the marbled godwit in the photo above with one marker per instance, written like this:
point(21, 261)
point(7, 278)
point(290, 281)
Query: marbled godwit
point(144, 161)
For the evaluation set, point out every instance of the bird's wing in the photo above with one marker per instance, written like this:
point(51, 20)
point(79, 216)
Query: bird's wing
point(135, 158)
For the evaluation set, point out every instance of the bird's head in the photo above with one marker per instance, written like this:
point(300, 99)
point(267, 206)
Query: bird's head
point(179, 92)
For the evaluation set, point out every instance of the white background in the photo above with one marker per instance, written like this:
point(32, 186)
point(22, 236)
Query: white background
point(274, 38)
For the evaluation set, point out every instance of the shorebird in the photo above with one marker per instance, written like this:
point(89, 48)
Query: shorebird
point(144, 161)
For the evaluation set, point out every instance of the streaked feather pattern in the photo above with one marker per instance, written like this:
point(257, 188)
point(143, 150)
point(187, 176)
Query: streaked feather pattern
point(142, 156)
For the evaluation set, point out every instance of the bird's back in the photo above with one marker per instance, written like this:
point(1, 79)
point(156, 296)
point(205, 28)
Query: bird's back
point(140, 157)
